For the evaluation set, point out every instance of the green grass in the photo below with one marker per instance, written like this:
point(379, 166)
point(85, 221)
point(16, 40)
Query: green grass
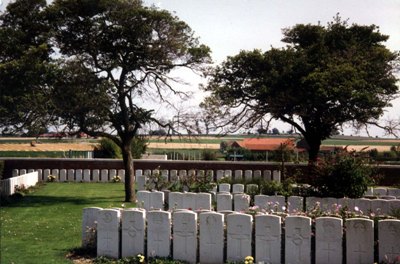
point(45, 225)
point(339, 142)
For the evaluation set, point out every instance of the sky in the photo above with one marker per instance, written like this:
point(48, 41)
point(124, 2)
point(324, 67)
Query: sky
point(229, 26)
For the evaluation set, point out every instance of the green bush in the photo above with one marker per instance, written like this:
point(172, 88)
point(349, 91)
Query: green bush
point(1, 169)
point(107, 149)
point(345, 176)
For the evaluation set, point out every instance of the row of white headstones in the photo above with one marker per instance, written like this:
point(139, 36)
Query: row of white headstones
point(241, 202)
point(201, 237)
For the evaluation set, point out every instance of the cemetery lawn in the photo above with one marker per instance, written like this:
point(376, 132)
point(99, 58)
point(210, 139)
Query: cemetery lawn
point(45, 225)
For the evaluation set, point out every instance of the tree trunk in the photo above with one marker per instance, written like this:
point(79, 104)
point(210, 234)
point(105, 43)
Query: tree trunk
point(130, 195)
point(314, 145)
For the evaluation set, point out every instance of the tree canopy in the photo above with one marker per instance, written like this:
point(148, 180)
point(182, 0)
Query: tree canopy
point(325, 77)
point(110, 58)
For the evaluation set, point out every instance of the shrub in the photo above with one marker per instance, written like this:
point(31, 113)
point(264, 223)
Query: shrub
point(345, 176)
point(107, 149)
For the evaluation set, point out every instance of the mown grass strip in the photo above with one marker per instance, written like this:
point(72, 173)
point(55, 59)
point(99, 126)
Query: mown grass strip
point(43, 226)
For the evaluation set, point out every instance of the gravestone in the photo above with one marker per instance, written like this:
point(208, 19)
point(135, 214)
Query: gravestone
point(121, 173)
point(63, 175)
point(143, 199)
point(141, 183)
point(359, 240)
point(86, 175)
point(55, 172)
point(175, 200)
point(138, 173)
point(389, 241)
point(241, 202)
point(262, 201)
point(220, 174)
point(228, 174)
point(104, 175)
point(380, 191)
point(89, 226)
point(380, 206)
point(174, 176)
point(185, 236)
point(71, 175)
point(41, 176)
point(164, 174)
point(346, 203)
point(133, 232)
point(15, 172)
point(189, 201)
point(156, 200)
point(369, 191)
point(22, 171)
point(295, 204)
point(239, 236)
point(328, 237)
point(268, 239)
point(211, 238)
point(112, 174)
point(95, 175)
point(238, 175)
point(313, 203)
point(108, 223)
point(276, 175)
point(203, 201)
point(224, 187)
point(237, 188)
point(248, 175)
point(257, 175)
point(158, 233)
point(78, 175)
point(394, 192)
point(278, 202)
point(46, 173)
point(298, 239)
point(267, 175)
point(363, 205)
point(210, 173)
point(329, 204)
point(182, 174)
point(393, 206)
point(224, 201)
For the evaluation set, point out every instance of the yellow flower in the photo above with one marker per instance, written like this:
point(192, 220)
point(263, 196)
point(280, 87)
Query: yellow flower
point(248, 260)
point(141, 258)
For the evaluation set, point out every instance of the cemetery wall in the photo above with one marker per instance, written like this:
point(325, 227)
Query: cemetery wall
point(7, 186)
point(212, 237)
point(390, 174)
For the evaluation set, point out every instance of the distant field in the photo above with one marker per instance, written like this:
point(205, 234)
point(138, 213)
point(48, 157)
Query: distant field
point(56, 147)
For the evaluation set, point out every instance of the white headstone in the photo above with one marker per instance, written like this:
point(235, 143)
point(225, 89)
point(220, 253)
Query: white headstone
point(262, 201)
point(203, 201)
point(369, 191)
point(71, 175)
point(257, 175)
point(156, 200)
point(15, 172)
point(298, 239)
point(276, 176)
point(380, 206)
point(329, 204)
point(211, 238)
point(104, 175)
point(141, 183)
point(164, 174)
point(363, 205)
point(224, 201)
point(175, 200)
point(248, 175)
point(313, 203)
point(143, 199)
point(78, 175)
point(185, 236)
point(389, 241)
point(89, 226)
point(238, 175)
point(158, 233)
point(95, 175)
point(228, 174)
point(138, 173)
point(239, 236)
point(182, 174)
point(189, 201)
point(268, 239)
point(346, 203)
point(133, 232)
point(380, 191)
point(238, 188)
point(174, 176)
point(393, 207)
point(63, 175)
point(112, 174)
point(394, 192)
point(121, 173)
point(220, 174)
point(278, 202)
point(241, 202)
point(328, 237)
point(46, 173)
point(359, 240)
point(86, 175)
point(267, 175)
point(108, 223)
point(224, 187)
point(22, 171)
point(295, 204)
point(41, 176)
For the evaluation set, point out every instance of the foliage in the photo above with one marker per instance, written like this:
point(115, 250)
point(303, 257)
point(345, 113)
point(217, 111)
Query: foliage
point(1, 169)
point(325, 77)
point(208, 154)
point(107, 149)
point(51, 178)
point(136, 260)
point(344, 176)
point(138, 146)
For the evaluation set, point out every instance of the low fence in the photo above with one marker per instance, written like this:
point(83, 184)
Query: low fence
point(212, 237)
point(390, 174)
point(27, 180)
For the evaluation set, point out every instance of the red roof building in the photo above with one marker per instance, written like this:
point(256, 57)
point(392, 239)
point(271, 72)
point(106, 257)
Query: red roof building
point(266, 144)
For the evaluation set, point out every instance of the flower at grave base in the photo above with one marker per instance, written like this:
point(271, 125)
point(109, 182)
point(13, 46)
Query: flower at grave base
point(356, 208)
point(140, 258)
point(248, 260)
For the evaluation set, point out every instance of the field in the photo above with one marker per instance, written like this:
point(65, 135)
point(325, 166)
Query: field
point(175, 143)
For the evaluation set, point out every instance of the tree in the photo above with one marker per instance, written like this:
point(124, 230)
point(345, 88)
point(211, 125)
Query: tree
point(324, 77)
point(114, 55)
point(25, 69)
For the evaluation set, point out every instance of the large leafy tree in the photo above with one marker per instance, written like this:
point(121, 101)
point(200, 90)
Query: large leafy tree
point(113, 54)
point(25, 69)
point(325, 77)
